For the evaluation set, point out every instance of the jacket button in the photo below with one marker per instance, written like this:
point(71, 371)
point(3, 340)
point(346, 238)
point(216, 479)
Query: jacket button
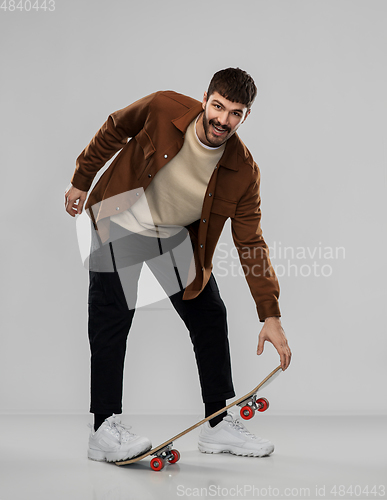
point(165, 156)
point(202, 268)
point(149, 175)
point(201, 246)
point(117, 208)
point(209, 194)
point(137, 194)
point(204, 220)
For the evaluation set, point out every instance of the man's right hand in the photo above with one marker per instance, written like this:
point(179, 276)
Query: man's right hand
point(74, 200)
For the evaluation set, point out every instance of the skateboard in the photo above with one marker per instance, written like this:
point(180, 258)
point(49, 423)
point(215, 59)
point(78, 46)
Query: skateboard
point(164, 453)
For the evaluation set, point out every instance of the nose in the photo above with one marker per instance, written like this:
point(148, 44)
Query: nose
point(223, 118)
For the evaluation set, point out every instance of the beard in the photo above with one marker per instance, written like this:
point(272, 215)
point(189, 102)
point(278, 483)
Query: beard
point(211, 138)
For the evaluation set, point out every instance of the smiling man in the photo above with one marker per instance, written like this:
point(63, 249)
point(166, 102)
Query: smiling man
point(184, 171)
point(220, 120)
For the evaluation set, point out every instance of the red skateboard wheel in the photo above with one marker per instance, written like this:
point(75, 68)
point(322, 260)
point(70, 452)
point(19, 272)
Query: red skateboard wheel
point(176, 457)
point(247, 412)
point(263, 404)
point(157, 463)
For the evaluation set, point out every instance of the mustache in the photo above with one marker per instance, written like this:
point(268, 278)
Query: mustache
point(213, 122)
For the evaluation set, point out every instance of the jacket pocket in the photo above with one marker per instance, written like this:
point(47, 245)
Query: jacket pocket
point(145, 143)
point(223, 207)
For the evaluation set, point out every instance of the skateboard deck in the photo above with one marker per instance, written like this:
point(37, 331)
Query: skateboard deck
point(164, 452)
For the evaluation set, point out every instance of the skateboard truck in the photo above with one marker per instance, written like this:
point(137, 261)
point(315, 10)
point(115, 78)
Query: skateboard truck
point(251, 405)
point(166, 454)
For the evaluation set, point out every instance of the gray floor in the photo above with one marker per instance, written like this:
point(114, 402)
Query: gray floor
point(44, 457)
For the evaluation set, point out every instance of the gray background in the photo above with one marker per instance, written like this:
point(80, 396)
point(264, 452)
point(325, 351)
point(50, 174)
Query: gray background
point(318, 133)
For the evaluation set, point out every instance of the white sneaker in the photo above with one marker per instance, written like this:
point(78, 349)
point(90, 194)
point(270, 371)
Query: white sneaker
point(113, 442)
point(231, 436)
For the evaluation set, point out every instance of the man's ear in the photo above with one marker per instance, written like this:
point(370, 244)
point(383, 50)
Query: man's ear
point(247, 114)
point(204, 100)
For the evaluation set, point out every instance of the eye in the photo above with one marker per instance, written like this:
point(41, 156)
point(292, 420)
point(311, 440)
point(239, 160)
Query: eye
point(217, 106)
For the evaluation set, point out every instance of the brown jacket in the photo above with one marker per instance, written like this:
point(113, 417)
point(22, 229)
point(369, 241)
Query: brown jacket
point(156, 125)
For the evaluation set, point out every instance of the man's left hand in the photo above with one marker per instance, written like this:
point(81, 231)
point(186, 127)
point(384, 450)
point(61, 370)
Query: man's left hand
point(273, 332)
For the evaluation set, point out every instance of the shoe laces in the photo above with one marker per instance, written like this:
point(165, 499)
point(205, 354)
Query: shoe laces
point(121, 430)
point(118, 429)
point(239, 426)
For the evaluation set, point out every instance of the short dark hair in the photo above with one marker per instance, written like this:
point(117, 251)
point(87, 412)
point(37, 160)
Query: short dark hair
point(235, 85)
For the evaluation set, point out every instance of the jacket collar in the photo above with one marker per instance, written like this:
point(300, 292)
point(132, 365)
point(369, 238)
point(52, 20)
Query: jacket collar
point(229, 158)
point(185, 119)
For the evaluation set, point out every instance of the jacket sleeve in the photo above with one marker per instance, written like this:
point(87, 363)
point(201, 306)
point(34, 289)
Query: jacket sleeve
point(110, 138)
point(253, 251)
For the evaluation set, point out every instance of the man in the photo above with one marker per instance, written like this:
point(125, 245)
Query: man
point(205, 174)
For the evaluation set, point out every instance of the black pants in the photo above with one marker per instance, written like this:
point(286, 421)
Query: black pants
point(110, 320)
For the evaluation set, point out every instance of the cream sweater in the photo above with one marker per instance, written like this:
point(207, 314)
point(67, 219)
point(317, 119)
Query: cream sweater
point(175, 196)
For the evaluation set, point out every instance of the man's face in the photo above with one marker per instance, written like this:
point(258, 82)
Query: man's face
point(220, 120)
